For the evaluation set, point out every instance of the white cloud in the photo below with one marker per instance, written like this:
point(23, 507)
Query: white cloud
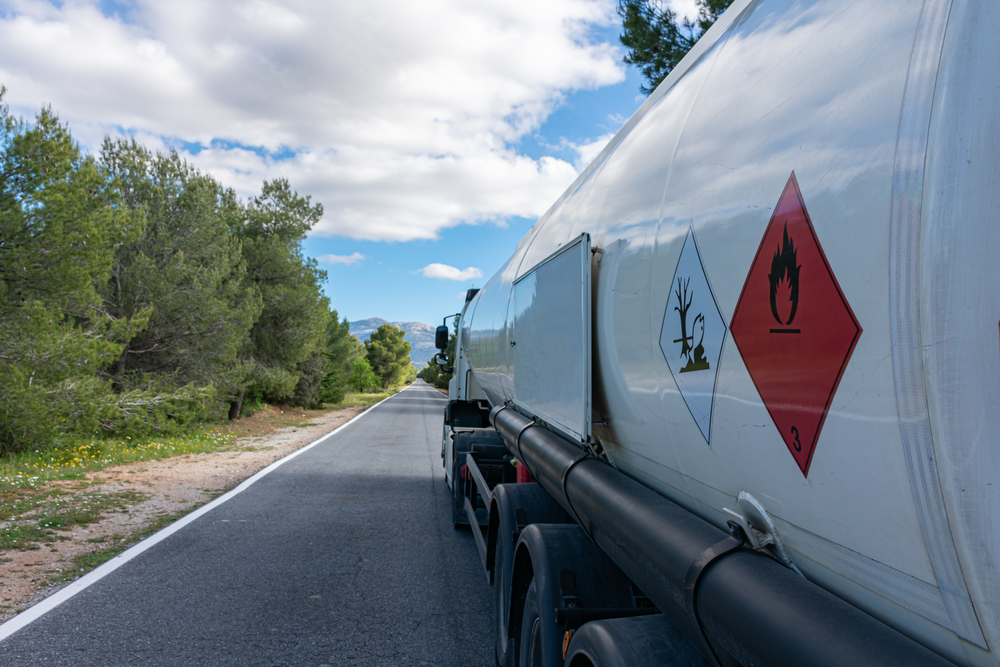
point(347, 260)
point(445, 272)
point(685, 9)
point(590, 150)
point(397, 116)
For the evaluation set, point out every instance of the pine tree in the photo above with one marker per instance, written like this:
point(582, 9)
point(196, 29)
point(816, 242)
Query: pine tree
point(388, 354)
point(342, 348)
point(183, 272)
point(656, 40)
point(294, 315)
point(58, 226)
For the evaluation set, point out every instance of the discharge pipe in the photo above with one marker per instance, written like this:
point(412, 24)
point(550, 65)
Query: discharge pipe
point(717, 592)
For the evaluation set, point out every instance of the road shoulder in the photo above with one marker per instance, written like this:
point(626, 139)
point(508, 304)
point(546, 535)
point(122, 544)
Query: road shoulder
point(141, 498)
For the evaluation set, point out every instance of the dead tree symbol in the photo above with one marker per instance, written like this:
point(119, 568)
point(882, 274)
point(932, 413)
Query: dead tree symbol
point(697, 361)
point(682, 308)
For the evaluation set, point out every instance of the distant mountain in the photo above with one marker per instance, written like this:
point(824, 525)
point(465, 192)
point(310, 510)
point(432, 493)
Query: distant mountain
point(420, 336)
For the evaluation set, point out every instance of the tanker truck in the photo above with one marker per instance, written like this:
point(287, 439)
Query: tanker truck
point(734, 399)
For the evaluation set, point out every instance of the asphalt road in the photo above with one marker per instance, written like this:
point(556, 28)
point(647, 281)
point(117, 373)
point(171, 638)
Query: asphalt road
point(344, 555)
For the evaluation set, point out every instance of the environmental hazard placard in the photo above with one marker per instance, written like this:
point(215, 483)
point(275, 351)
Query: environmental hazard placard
point(693, 334)
point(794, 327)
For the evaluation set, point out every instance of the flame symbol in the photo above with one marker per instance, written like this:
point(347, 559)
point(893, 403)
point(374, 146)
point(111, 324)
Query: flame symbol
point(783, 267)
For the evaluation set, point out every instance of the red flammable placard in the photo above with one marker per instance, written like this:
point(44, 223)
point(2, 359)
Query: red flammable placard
point(793, 326)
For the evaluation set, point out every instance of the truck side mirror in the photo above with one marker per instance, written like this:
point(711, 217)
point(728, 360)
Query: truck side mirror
point(440, 360)
point(441, 337)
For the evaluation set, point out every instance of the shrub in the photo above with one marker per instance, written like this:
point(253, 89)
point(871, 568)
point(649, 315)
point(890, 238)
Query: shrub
point(362, 376)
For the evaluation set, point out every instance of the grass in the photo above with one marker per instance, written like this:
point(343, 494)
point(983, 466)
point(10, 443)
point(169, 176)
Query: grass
point(24, 538)
point(32, 470)
point(38, 524)
point(25, 474)
point(364, 399)
point(86, 562)
point(86, 508)
point(15, 502)
point(25, 477)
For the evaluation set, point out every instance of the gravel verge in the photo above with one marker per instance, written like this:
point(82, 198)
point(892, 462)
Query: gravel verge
point(141, 497)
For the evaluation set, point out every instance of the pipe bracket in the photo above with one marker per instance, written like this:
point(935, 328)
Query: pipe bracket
point(694, 574)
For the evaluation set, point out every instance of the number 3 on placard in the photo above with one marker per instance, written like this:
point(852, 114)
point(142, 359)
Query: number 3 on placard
point(797, 445)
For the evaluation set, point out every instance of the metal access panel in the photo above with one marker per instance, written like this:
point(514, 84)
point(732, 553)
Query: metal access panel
point(551, 345)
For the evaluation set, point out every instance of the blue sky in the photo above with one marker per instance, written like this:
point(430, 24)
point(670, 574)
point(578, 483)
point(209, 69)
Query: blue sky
point(387, 283)
point(389, 276)
point(433, 133)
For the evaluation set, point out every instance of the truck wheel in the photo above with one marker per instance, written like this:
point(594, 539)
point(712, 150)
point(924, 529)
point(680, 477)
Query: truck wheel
point(640, 641)
point(505, 649)
point(507, 659)
point(531, 631)
point(516, 506)
point(458, 517)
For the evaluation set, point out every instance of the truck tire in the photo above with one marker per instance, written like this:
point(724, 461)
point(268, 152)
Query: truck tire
point(505, 648)
point(644, 641)
point(514, 506)
point(531, 631)
point(458, 516)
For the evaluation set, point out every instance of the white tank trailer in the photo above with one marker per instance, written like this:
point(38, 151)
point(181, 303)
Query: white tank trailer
point(752, 359)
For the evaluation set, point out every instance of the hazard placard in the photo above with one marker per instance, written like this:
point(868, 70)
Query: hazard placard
point(693, 335)
point(794, 327)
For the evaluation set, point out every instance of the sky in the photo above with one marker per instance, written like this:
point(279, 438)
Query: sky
point(434, 133)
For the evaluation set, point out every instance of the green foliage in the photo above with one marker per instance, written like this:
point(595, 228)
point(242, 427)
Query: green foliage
point(181, 274)
point(388, 354)
point(342, 365)
point(58, 227)
point(138, 295)
point(333, 394)
point(57, 221)
point(294, 314)
point(342, 348)
point(656, 41)
point(52, 387)
point(709, 12)
point(362, 377)
point(312, 372)
point(436, 375)
point(251, 403)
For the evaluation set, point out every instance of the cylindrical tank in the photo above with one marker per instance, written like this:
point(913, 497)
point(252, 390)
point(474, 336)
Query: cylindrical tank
point(796, 295)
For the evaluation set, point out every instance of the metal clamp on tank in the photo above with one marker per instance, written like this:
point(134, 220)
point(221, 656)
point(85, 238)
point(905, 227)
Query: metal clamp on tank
point(751, 527)
point(758, 529)
point(704, 561)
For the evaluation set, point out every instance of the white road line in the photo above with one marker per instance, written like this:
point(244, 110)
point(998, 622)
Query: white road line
point(31, 614)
